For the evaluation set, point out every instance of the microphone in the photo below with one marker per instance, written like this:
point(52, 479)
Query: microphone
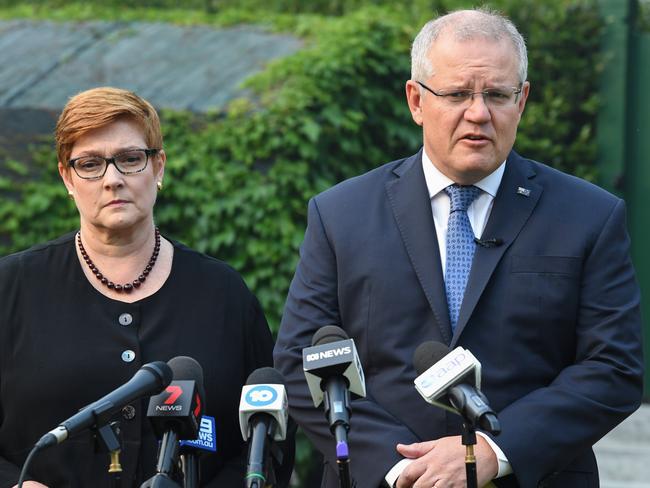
point(190, 451)
point(175, 414)
point(148, 380)
point(263, 416)
point(452, 380)
point(333, 371)
point(487, 243)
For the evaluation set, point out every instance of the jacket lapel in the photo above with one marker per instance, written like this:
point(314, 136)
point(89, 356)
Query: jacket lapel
point(514, 203)
point(409, 199)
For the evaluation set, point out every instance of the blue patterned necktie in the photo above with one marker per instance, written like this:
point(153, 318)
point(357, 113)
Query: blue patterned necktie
point(460, 247)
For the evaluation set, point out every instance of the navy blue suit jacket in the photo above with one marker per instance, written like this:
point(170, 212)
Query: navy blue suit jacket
point(552, 314)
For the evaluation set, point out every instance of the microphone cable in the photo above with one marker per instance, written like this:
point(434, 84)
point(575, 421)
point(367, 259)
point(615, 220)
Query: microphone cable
point(28, 461)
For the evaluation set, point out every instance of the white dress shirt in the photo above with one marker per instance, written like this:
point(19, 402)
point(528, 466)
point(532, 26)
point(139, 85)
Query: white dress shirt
point(478, 213)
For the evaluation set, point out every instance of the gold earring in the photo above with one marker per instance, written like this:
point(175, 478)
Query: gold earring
point(70, 194)
point(159, 185)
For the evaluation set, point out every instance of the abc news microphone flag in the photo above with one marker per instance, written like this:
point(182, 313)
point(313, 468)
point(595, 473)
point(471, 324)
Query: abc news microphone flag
point(322, 358)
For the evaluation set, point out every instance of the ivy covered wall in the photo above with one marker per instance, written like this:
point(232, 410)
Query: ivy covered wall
point(238, 181)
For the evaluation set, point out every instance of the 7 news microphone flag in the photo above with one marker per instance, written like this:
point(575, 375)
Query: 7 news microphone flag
point(175, 414)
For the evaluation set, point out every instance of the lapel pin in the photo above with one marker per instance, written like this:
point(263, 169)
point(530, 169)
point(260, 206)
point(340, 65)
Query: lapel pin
point(523, 191)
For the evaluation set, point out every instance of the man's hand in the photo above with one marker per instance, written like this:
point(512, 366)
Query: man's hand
point(31, 484)
point(441, 463)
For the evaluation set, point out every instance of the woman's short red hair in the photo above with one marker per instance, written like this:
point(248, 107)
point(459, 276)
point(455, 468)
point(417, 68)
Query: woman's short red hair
point(99, 107)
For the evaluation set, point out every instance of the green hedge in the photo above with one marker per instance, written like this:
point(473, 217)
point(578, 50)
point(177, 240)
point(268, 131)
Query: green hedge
point(643, 16)
point(238, 182)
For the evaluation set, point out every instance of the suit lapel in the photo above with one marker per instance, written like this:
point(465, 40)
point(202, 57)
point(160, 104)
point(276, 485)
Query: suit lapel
point(516, 198)
point(409, 199)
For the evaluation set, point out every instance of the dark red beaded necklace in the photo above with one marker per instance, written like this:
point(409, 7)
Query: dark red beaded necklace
point(128, 287)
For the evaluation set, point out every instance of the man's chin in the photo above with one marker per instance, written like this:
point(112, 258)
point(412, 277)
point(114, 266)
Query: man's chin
point(475, 169)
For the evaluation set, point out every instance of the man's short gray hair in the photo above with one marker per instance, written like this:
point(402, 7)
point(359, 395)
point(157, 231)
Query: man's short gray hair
point(464, 25)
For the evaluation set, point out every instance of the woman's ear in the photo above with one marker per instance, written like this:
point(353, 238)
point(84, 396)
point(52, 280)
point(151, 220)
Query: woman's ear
point(159, 165)
point(64, 172)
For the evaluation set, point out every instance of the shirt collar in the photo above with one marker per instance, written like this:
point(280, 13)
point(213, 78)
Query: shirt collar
point(436, 181)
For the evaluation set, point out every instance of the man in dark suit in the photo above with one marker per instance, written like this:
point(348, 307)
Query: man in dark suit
point(546, 299)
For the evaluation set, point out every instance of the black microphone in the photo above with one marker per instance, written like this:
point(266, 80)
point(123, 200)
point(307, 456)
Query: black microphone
point(148, 380)
point(493, 242)
point(333, 370)
point(174, 415)
point(263, 417)
point(452, 380)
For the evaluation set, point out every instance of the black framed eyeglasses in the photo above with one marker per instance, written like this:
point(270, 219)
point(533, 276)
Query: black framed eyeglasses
point(493, 97)
point(127, 162)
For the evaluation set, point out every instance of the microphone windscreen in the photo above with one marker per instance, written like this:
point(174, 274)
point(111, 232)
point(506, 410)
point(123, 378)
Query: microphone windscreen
point(269, 376)
point(427, 354)
point(186, 368)
point(162, 371)
point(327, 334)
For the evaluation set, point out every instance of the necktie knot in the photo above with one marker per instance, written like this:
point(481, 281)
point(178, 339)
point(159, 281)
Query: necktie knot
point(461, 197)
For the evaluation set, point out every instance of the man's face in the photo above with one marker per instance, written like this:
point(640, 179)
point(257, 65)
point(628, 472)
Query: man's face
point(468, 141)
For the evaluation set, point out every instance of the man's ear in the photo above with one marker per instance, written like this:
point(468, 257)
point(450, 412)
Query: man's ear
point(525, 91)
point(414, 100)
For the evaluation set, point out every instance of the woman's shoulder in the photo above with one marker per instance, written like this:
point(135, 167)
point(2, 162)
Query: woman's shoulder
point(39, 253)
point(31, 266)
point(203, 266)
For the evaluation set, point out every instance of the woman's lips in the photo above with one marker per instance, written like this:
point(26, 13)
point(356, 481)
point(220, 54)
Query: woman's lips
point(116, 203)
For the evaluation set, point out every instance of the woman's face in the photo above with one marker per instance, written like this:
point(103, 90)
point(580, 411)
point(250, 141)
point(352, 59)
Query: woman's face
point(115, 201)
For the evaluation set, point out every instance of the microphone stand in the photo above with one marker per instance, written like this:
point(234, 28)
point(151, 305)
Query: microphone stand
point(337, 410)
point(469, 441)
point(258, 474)
point(472, 406)
point(276, 456)
point(190, 468)
point(108, 438)
point(344, 472)
point(342, 455)
point(166, 463)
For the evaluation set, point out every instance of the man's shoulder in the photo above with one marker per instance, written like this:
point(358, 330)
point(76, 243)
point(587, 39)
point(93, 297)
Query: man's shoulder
point(364, 185)
point(562, 184)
